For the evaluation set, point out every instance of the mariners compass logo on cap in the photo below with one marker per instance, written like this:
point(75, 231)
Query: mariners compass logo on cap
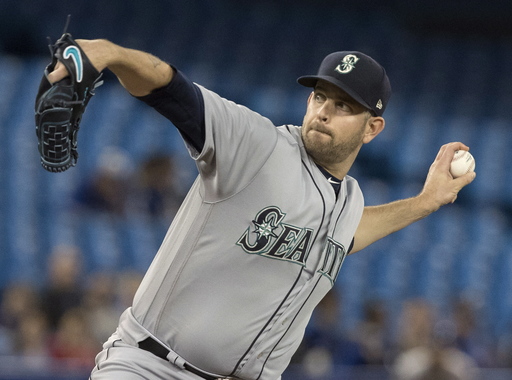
point(347, 64)
point(359, 75)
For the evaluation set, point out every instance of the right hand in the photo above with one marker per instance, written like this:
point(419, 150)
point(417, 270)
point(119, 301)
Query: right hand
point(440, 187)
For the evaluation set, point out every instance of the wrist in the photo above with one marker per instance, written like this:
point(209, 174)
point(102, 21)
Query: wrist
point(108, 54)
point(101, 53)
point(426, 203)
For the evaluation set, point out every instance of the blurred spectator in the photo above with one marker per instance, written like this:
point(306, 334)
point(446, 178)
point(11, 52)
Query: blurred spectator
point(427, 349)
point(99, 304)
point(108, 188)
point(74, 341)
point(32, 337)
point(6, 341)
point(416, 325)
point(128, 283)
point(372, 334)
point(504, 348)
point(63, 291)
point(470, 336)
point(19, 300)
point(157, 192)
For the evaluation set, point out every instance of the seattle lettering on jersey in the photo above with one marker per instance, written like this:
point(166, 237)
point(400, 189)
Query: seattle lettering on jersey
point(334, 256)
point(274, 239)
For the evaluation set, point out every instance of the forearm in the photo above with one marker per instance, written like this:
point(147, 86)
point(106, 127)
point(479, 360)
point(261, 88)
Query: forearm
point(139, 72)
point(380, 221)
point(440, 188)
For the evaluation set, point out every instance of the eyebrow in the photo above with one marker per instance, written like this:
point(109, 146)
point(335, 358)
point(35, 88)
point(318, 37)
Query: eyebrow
point(340, 95)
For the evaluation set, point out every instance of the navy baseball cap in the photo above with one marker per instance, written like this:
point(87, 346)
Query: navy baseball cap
point(358, 75)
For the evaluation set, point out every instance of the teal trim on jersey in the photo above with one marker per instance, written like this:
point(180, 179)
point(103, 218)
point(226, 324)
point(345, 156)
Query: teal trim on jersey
point(74, 53)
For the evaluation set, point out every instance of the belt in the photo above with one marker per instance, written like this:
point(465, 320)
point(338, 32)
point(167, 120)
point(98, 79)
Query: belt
point(151, 345)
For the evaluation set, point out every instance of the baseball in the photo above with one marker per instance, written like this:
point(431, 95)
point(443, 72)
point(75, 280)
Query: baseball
point(462, 163)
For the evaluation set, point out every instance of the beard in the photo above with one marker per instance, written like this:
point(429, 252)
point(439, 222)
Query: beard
point(330, 152)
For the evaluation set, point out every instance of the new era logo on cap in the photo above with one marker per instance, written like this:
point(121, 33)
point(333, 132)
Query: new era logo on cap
point(358, 75)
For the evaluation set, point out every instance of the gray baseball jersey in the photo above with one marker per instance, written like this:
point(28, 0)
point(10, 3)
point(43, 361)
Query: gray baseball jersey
point(257, 243)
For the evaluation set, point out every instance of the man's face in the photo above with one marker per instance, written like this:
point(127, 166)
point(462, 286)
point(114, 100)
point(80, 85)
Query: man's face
point(334, 125)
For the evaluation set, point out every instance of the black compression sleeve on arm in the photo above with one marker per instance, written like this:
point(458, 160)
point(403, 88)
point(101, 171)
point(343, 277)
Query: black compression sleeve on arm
point(182, 103)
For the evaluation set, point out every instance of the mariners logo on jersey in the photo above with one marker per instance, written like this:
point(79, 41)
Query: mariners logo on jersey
point(348, 63)
point(272, 238)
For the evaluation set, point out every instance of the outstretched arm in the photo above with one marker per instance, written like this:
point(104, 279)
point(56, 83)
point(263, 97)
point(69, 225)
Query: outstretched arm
point(440, 188)
point(139, 72)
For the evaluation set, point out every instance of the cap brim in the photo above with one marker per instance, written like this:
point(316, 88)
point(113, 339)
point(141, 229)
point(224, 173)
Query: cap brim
point(311, 80)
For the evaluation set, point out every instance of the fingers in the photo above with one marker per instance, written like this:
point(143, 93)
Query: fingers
point(59, 73)
point(446, 152)
point(450, 149)
point(461, 182)
point(465, 179)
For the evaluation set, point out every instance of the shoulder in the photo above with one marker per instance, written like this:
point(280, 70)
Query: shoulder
point(291, 133)
point(228, 111)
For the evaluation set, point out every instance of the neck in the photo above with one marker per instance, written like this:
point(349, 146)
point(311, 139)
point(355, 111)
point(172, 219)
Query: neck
point(340, 169)
point(334, 171)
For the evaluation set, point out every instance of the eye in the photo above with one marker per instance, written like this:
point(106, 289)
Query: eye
point(319, 97)
point(343, 106)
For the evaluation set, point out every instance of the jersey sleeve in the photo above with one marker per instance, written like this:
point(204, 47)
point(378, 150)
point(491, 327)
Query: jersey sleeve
point(182, 103)
point(229, 142)
point(238, 142)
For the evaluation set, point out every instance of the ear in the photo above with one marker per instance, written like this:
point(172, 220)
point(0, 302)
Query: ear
point(374, 126)
point(310, 96)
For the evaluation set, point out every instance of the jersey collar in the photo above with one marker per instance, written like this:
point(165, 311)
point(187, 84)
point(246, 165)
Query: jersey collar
point(335, 182)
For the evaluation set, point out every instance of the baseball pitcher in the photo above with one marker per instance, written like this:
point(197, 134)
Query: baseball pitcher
point(263, 232)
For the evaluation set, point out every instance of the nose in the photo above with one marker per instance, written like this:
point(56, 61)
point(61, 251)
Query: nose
point(324, 111)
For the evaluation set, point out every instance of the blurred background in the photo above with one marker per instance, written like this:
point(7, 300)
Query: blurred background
point(433, 301)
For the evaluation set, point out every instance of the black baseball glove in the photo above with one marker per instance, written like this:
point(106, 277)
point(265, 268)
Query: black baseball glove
point(59, 107)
